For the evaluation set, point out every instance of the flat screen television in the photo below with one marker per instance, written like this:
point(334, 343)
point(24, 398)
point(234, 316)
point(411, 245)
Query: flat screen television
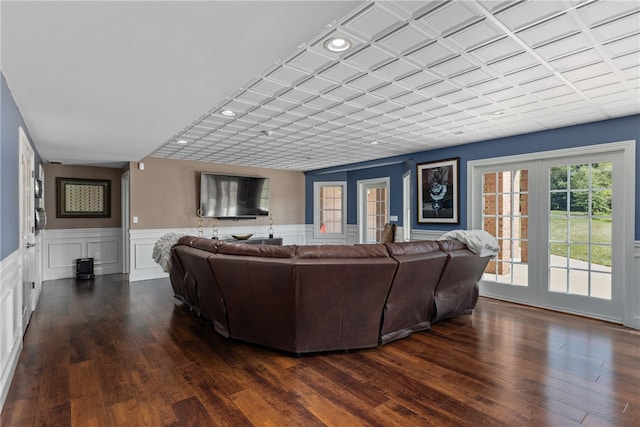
point(233, 197)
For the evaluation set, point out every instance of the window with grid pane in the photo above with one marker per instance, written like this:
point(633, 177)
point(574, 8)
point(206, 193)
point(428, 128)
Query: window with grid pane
point(330, 217)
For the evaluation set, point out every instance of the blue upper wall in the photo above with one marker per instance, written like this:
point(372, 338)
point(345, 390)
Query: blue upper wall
point(614, 130)
point(10, 121)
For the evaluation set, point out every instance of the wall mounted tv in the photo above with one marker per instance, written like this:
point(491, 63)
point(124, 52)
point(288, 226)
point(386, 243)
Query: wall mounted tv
point(233, 197)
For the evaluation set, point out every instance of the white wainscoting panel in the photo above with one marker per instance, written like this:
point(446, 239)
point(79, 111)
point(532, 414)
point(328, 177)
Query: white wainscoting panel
point(634, 290)
point(61, 248)
point(10, 320)
point(143, 267)
point(426, 234)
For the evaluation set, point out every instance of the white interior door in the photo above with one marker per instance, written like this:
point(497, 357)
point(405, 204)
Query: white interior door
point(27, 225)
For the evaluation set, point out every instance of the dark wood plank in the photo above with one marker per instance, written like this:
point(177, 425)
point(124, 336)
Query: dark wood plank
point(112, 353)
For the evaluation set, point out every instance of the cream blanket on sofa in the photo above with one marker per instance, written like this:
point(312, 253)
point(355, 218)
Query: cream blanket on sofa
point(162, 250)
point(478, 241)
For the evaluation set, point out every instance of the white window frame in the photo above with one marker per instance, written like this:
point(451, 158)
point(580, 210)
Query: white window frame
point(317, 186)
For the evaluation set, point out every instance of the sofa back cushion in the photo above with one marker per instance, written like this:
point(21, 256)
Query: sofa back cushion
point(410, 248)
point(266, 251)
point(341, 251)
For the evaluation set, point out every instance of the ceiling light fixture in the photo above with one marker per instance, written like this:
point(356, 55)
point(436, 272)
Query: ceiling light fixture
point(228, 113)
point(182, 141)
point(497, 113)
point(337, 44)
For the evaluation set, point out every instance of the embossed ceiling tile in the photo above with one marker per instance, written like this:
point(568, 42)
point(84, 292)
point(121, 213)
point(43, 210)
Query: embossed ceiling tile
point(514, 63)
point(438, 89)
point(622, 46)
point(252, 97)
point(595, 82)
point(368, 57)
point(475, 35)
point(428, 105)
point(627, 61)
point(563, 46)
point(365, 100)
point(296, 95)
point(309, 61)
point(403, 113)
point(366, 83)
point(455, 96)
point(389, 90)
point(444, 110)
point(321, 102)
point(304, 110)
point(430, 54)
point(528, 108)
point(286, 75)
point(632, 74)
point(409, 98)
point(371, 21)
point(586, 72)
point(385, 107)
point(341, 93)
point(543, 83)
point(528, 74)
point(395, 69)
point(576, 60)
point(619, 28)
point(278, 104)
point(547, 31)
point(421, 78)
point(346, 121)
point(552, 92)
point(317, 85)
point(404, 39)
point(345, 108)
point(527, 13)
point(453, 66)
point(471, 77)
point(564, 100)
point(473, 103)
point(599, 12)
point(504, 94)
point(490, 86)
point(502, 48)
point(269, 87)
point(449, 18)
point(340, 72)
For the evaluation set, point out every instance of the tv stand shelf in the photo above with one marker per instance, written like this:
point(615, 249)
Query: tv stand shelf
point(277, 241)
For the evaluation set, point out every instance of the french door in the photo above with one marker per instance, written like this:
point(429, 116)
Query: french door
point(373, 208)
point(559, 223)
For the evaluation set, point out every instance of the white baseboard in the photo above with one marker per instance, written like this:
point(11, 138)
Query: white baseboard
point(10, 320)
point(61, 248)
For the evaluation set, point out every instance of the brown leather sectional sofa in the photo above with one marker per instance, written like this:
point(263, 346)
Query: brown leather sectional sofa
point(305, 299)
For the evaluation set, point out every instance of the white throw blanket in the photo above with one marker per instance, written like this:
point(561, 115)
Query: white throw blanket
point(162, 250)
point(478, 241)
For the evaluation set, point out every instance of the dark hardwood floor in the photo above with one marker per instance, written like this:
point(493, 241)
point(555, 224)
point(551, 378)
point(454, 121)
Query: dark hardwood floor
point(110, 353)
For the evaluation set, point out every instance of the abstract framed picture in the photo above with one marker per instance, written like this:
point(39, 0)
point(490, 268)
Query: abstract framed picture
point(83, 198)
point(438, 192)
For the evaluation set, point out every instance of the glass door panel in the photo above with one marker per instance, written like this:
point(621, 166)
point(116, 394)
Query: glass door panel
point(505, 215)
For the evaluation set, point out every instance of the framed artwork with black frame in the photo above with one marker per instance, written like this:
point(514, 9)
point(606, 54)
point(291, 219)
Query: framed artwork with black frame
point(83, 198)
point(438, 192)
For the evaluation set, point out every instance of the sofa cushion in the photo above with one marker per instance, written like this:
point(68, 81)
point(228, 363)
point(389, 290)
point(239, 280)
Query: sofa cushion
point(267, 251)
point(209, 245)
point(341, 251)
point(412, 248)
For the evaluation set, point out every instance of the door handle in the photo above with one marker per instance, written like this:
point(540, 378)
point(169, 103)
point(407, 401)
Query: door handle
point(30, 245)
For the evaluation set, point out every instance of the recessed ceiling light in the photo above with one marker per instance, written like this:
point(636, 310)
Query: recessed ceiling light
point(497, 113)
point(182, 141)
point(374, 143)
point(337, 44)
point(228, 113)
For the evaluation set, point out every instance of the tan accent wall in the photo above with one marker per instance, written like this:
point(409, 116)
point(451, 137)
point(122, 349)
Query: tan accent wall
point(166, 193)
point(52, 171)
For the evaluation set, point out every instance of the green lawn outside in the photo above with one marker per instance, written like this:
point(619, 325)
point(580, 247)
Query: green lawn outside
point(575, 245)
